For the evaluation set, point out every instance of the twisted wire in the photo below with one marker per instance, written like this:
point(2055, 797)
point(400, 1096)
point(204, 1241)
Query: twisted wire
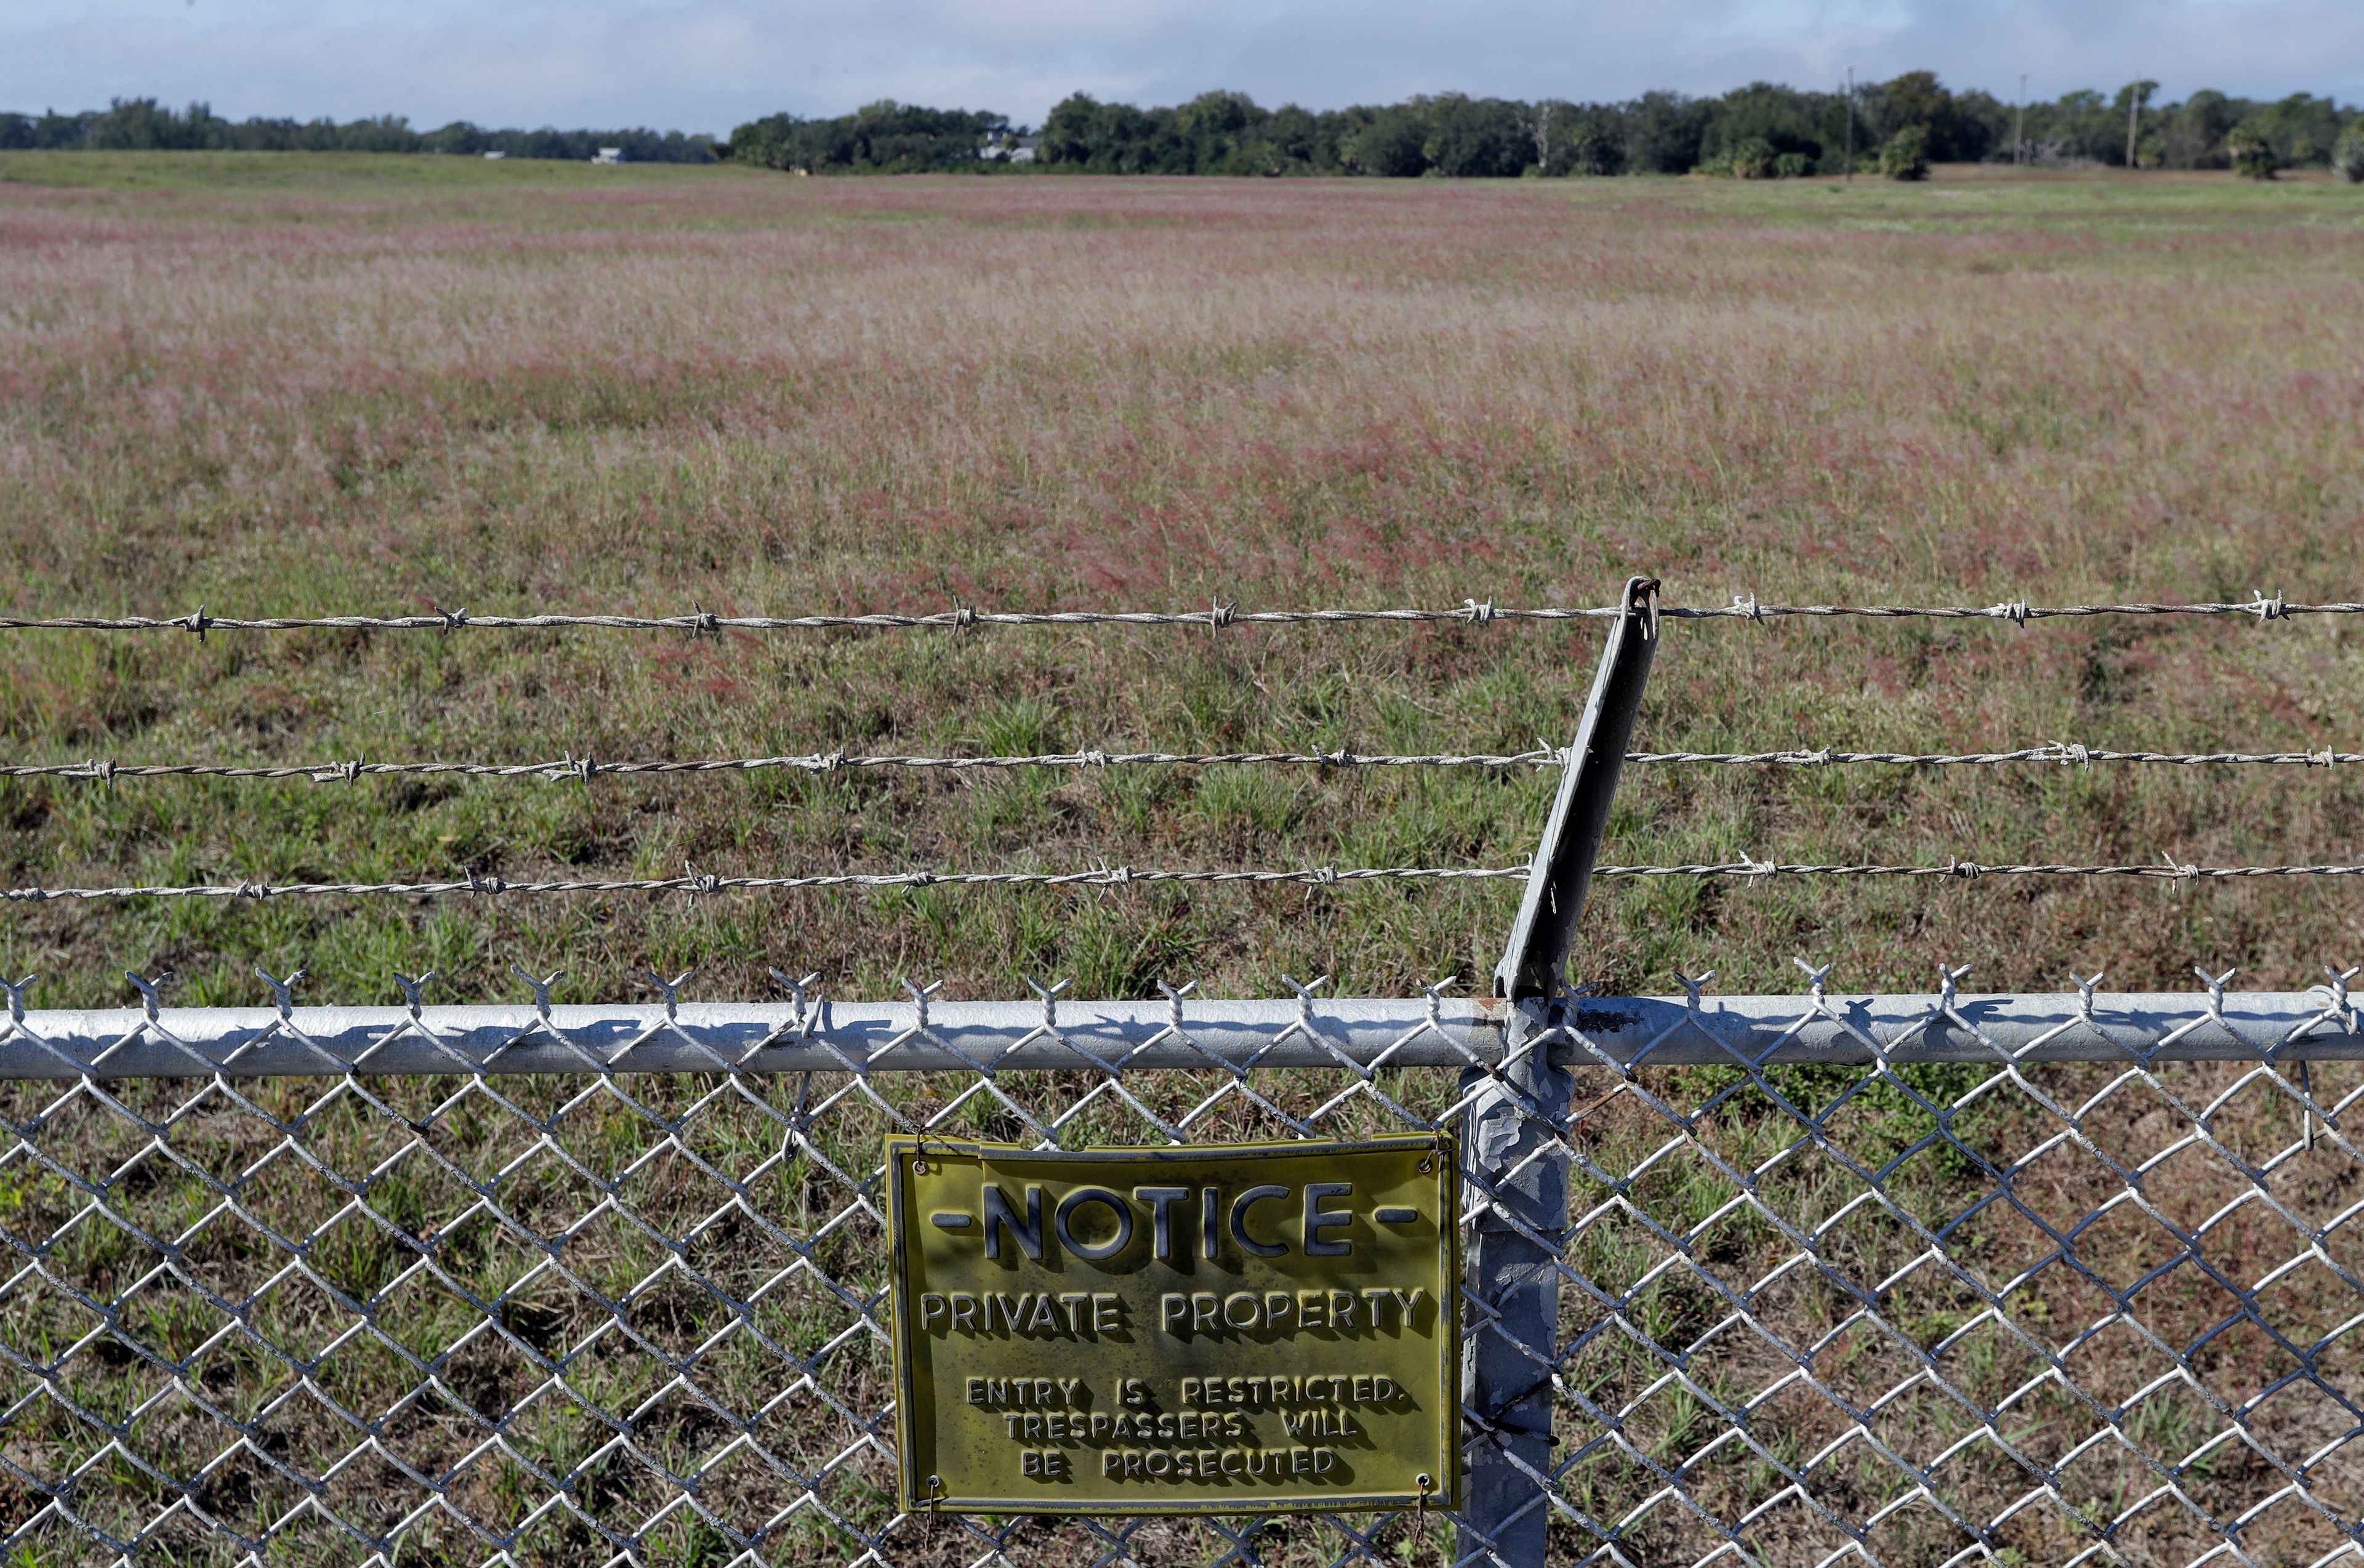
point(693, 882)
point(2164, 870)
point(2052, 753)
point(698, 882)
point(106, 771)
point(102, 771)
point(702, 622)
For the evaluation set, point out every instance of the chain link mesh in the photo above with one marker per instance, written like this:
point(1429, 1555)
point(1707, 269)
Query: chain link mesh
point(2015, 1309)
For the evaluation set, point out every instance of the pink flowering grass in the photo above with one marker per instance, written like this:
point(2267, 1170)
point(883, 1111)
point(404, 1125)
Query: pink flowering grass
point(303, 387)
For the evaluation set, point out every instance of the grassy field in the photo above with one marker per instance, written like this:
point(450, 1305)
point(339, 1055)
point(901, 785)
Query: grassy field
point(301, 385)
point(288, 384)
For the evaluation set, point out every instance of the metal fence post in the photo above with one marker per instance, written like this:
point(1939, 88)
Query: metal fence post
point(1515, 1154)
point(1515, 1189)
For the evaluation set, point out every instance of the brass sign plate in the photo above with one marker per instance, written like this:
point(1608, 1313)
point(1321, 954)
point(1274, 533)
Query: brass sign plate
point(1201, 1331)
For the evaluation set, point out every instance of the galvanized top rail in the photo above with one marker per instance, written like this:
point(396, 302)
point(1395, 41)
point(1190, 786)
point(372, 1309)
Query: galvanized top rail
point(1181, 1032)
point(700, 621)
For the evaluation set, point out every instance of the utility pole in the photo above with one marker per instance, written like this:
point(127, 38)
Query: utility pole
point(2019, 130)
point(1850, 125)
point(2134, 115)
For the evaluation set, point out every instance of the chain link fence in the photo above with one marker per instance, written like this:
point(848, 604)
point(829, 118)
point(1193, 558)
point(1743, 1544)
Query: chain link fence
point(1809, 1279)
point(1824, 1278)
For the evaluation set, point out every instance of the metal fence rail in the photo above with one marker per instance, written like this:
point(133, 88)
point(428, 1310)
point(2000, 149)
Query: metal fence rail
point(1052, 1032)
point(1914, 1278)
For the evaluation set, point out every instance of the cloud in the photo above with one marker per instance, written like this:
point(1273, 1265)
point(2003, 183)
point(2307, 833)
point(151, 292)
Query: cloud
point(709, 64)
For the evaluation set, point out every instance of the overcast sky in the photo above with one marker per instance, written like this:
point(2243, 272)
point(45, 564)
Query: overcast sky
point(710, 64)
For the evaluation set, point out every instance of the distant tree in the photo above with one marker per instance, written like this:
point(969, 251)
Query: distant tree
point(460, 136)
point(1917, 98)
point(1591, 145)
point(1068, 135)
point(2191, 134)
point(1085, 134)
point(1763, 115)
point(2302, 129)
point(1539, 125)
point(1663, 132)
point(2348, 153)
point(2252, 151)
point(1394, 144)
point(1217, 133)
point(1981, 128)
point(387, 133)
point(56, 131)
point(141, 124)
point(1951, 128)
point(1754, 160)
point(2077, 128)
point(1297, 141)
point(881, 138)
point(1905, 155)
point(145, 125)
point(1474, 138)
point(904, 138)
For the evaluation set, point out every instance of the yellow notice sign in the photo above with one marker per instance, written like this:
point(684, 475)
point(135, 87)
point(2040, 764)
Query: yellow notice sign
point(1176, 1330)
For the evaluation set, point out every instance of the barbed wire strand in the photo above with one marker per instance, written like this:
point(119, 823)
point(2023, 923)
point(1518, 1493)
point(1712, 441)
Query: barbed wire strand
point(1128, 876)
point(572, 768)
point(700, 621)
point(2055, 751)
point(697, 882)
point(105, 771)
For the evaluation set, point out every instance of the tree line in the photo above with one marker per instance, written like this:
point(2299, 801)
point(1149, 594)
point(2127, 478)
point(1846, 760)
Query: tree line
point(1760, 131)
point(885, 138)
point(142, 125)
